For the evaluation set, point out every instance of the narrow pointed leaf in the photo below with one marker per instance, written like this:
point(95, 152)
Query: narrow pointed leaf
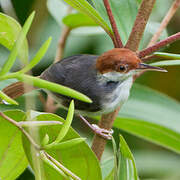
point(126, 166)
point(78, 20)
point(53, 87)
point(84, 7)
point(39, 55)
point(67, 124)
point(45, 140)
point(115, 169)
point(9, 33)
point(7, 99)
point(17, 46)
point(166, 63)
point(167, 55)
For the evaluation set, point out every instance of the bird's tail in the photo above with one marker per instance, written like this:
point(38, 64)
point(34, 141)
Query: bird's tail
point(17, 89)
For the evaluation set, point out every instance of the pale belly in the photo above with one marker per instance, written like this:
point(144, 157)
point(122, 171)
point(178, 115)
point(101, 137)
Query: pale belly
point(113, 100)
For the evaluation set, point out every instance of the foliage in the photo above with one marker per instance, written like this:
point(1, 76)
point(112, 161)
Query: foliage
point(59, 152)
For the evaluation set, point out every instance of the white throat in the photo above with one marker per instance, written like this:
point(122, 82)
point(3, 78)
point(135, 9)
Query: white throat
point(115, 76)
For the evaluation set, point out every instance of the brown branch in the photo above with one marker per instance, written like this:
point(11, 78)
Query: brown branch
point(159, 45)
point(99, 142)
point(165, 22)
point(61, 44)
point(140, 24)
point(117, 42)
point(107, 120)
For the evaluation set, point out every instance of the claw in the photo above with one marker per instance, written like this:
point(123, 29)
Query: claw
point(107, 134)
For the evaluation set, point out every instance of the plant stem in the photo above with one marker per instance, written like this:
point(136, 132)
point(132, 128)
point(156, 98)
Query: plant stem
point(61, 44)
point(157, 46)
point(38, 123)
point(21, 129)
point(117, 42)
point(107, 120)
point(140, 24)
point(165, 22)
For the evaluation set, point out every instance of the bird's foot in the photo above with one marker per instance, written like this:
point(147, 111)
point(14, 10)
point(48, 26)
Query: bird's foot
point(97, 130)
point(107, 134)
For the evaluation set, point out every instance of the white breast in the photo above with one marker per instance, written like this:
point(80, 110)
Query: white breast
point(121, 93)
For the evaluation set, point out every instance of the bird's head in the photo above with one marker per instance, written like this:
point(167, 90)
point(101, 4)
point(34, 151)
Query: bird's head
point(120, 63)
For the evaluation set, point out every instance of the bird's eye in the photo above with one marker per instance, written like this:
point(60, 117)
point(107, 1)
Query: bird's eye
point(122, 68)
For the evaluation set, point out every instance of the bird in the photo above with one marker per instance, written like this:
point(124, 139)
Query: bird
point(105, 79)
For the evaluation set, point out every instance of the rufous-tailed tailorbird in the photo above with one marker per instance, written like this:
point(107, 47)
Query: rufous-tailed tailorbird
point(105, 79)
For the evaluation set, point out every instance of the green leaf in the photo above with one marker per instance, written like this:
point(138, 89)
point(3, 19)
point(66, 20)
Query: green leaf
point(152, 116)
point(17, 46)
point(115, 169)
point(84, 7)
point(167, 55)
point(76, 158)
point(110, 176)
point(9, 32)
point(45, 140)
point(65, 144)
point(39, 55)
point(52, 87)
point(52, 165)
point(126, 166)
point(88, 31)
point(67, 124)
point(12, 157)
point(78, 20)
point(161, 163)
point(124, 12)
point(166, 63)
point(65, 127)
point(151, 131)
point(6, 98)
point(107, 168)
point(58, 9)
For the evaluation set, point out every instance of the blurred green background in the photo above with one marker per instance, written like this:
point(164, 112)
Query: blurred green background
point(153, 162)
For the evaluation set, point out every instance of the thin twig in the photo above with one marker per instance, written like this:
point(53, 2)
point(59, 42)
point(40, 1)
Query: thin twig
point(140, 24)
point(160, 44)
point(165, 22)
point(61, 167)
point(38, 123)
point(21, 129)
point(118, 43)
point(61, 44)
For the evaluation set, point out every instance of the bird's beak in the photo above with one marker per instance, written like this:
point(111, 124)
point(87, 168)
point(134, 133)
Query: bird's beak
point(143, 66)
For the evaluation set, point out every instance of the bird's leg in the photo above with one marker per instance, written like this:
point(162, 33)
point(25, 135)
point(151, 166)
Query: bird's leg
point(97, 130)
